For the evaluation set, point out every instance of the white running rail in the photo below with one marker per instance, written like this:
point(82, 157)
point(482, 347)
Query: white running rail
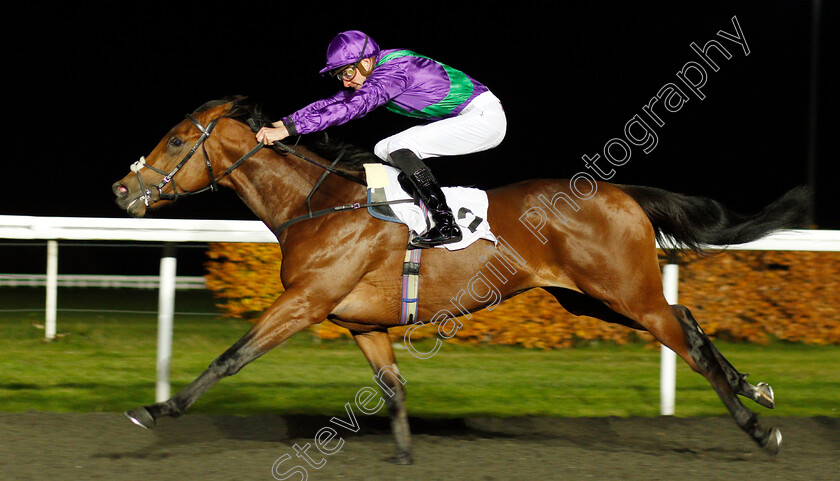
point(53, 229)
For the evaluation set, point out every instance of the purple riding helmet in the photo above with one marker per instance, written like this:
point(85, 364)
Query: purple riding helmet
point(348, 48)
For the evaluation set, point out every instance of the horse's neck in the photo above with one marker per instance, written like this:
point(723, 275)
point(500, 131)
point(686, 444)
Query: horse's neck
point(275, 187)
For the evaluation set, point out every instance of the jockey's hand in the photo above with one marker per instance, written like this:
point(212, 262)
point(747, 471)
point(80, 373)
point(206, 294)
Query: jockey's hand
point(268, 135)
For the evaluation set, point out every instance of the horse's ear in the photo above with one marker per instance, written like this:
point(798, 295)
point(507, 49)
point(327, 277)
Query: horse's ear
point(226, 107)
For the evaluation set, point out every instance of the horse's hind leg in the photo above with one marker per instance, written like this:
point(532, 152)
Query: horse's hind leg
point(638, 302)
point(580, 304)
point(687, 339)
point(376, 345)
point(761, 393)
point(675, 327)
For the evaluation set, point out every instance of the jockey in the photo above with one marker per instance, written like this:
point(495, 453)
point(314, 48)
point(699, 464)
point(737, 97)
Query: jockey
point(462, 115)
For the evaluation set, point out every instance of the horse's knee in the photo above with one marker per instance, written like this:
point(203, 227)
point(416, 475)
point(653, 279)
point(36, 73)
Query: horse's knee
point(235, 358)
point(229, 363)
point(224, 367)
point(392, 384)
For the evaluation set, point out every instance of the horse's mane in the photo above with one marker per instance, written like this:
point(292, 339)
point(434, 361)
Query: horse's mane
point(242, 110)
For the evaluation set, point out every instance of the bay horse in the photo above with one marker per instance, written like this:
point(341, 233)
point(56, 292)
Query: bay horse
point(598, 260)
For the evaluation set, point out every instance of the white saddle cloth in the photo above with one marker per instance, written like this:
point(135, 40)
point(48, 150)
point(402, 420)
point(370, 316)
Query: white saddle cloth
point(468, 205)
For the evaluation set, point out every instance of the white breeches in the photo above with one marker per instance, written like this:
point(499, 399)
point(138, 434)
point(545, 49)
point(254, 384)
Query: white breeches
point(480, 126)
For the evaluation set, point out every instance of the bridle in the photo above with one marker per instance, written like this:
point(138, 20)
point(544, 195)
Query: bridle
point(152, 194)
point(148, 193)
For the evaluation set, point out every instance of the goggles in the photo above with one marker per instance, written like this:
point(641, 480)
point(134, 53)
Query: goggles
point(347, 73)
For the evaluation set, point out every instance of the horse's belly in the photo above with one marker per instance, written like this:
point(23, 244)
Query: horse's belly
point(370, 304)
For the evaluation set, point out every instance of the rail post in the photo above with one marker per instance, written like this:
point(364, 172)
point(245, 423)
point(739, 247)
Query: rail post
point(52, 290)
point(668, 359)
point(166, 314)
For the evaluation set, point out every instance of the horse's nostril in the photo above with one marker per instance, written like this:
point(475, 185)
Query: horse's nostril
point(120, 190)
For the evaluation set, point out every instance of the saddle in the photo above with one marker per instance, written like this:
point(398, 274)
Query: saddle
point(469, 206)
point(388, 200)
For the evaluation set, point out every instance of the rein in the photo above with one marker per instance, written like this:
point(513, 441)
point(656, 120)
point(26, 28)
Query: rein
point(330, 210)
point(329, 168)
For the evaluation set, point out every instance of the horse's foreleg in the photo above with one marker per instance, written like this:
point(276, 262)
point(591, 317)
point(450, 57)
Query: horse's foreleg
point(376, 345)
point(280, 321)
point(688, 340)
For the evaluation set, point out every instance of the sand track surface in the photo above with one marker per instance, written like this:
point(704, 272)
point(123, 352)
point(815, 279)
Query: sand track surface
point(50, 446)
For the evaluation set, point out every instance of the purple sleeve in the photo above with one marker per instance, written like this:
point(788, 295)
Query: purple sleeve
point(382, 85)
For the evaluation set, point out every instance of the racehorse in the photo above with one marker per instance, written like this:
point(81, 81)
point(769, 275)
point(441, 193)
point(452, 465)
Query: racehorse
point(595, 252)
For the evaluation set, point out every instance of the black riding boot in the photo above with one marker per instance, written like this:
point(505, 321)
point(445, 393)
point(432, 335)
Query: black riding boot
point(445, 230)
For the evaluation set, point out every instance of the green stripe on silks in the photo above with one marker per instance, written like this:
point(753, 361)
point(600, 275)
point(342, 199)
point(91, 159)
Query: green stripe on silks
point(460, 89)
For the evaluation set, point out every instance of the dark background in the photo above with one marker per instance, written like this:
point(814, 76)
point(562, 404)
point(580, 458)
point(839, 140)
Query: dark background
point(91, 88)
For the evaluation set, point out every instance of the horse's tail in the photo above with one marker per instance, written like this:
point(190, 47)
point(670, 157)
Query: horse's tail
point(698, 222)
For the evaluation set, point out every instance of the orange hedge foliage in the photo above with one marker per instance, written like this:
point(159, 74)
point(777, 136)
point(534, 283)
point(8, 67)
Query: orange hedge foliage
point(758, 296)
point(245, 276)
point(753, 296)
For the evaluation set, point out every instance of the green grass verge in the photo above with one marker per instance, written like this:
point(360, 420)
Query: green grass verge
point(105, 362)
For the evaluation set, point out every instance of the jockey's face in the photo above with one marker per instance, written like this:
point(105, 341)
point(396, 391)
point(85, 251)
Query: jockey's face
point(352, 76)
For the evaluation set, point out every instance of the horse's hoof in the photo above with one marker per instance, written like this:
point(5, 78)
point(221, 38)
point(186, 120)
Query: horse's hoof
point(764, 395)
point(141, 417)
point(774, 442)
point(402, 458)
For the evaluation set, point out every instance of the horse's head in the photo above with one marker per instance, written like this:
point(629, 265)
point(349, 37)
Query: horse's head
point(191, 158)
point(179, 164)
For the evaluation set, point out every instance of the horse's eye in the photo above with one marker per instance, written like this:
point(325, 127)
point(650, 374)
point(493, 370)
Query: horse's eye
point(176, 142)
